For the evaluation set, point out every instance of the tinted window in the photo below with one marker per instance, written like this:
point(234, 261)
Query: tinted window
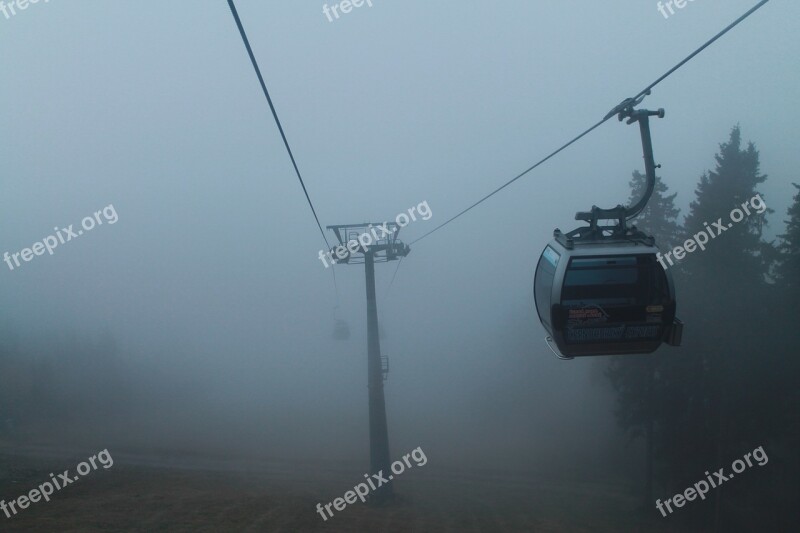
point(603, 271)
point(543, 283)
point(614, 280)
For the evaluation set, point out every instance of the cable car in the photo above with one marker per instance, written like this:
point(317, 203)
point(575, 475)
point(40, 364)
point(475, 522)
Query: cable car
point(341, 330)
point(600, 290)
point(602, 298)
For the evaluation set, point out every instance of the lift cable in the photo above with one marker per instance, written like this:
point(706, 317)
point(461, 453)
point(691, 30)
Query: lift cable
point(277, 120)
point(711, 41)
point(386, 294)
point(515, 178)
point(283, 135)
point(626, 103)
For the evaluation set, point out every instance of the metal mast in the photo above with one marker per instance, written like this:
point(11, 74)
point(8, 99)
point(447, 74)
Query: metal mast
point(369, 244)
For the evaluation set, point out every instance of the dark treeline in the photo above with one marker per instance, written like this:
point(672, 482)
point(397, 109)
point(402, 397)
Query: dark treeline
point(75, 389)
point(60, 384)
point(733, 385)
point(56, 381)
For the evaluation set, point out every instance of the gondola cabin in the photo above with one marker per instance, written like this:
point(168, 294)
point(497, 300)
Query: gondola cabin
point(603, 298)
point(341, 330)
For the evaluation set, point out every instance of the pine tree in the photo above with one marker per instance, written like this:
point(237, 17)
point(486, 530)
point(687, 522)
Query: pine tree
point(659, 217)
point(782, 341)
point(728, 381)
point(735, 248)
point(788, 269)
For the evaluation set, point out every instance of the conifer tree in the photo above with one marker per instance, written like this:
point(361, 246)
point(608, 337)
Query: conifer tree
point(788, 269)
point(728, 379)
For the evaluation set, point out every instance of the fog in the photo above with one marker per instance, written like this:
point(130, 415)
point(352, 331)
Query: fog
point(201, 321)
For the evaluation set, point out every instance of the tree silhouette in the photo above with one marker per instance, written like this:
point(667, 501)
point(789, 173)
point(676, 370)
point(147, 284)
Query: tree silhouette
point(729, 381)
point(788, 268)
point(732, 386)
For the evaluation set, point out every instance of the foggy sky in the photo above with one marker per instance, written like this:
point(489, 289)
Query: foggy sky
point(211, 272)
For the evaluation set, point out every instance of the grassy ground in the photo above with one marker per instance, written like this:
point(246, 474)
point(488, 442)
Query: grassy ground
point(175, 493)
